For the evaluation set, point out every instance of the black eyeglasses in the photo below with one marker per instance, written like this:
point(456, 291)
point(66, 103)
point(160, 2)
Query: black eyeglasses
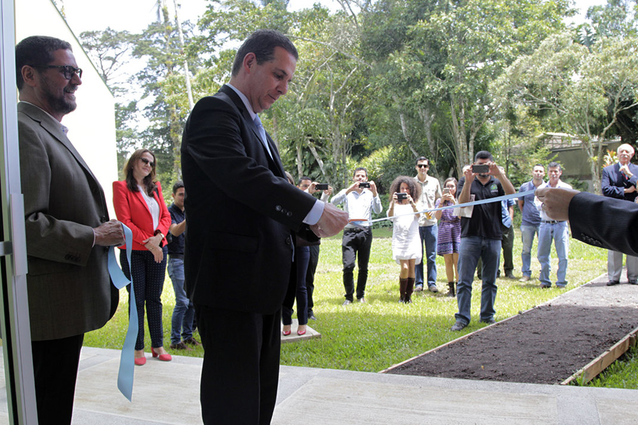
point(67, 70)
point(423, 166)
point(146, 161)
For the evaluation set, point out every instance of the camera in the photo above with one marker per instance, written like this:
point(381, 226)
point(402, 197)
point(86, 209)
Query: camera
point(364, 185)
point(480, 168)
point(446, 190)
point(401, 196)
point(321, 186)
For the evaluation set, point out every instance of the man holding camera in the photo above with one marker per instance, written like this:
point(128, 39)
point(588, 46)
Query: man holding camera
point(360, 199)
point(428, 229)
point(480, 235)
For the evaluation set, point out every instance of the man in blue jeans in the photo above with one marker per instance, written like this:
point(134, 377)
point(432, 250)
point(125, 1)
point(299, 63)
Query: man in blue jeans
point(555, 230)
point(428, 229)
point(480, 236)
point(531, 219)
point(184, 310)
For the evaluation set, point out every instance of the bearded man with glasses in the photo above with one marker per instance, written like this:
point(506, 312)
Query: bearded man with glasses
point(67, 226)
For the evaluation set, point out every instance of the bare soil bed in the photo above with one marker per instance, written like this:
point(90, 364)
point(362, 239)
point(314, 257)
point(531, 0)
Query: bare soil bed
point(544, 345)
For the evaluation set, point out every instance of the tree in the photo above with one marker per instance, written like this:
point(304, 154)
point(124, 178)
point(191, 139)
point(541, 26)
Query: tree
point(575, 89)
point(443, 62)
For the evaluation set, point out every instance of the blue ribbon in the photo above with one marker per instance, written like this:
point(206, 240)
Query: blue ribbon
point(467, 204)
point(127, 361)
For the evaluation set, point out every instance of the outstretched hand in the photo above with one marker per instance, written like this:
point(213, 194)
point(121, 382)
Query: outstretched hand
point(332, 221)
point(555, 202)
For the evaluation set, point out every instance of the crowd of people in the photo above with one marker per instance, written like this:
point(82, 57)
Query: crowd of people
point(244, 257)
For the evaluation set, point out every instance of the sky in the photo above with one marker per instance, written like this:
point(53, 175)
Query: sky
point(136, 15)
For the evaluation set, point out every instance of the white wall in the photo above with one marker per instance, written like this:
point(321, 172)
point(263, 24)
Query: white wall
point(92, 124)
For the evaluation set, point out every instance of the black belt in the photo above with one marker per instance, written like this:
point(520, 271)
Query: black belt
point(356, 229)
point(551, 221)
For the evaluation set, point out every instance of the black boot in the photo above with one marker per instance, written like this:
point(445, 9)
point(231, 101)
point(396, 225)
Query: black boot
point(408, 290)
point(403, 283)
point(451, 289)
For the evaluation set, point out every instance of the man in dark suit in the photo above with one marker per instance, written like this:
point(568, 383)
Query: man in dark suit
point(619, 181)
point(67, 226)
point(241, 212)
point(588, 216)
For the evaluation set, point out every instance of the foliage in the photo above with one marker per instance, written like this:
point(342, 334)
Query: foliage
point(623, 373)
point(579, 90)
point(413, 75)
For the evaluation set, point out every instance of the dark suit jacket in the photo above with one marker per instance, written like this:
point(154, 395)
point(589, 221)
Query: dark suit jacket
point(604, 222)
point(240, 210)
point(68, 283)
point(614, 182)
point(132, 210)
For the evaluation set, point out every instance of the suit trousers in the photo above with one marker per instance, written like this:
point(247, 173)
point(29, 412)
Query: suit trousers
point(614, 266)
point(55, 366)
point(240, 371)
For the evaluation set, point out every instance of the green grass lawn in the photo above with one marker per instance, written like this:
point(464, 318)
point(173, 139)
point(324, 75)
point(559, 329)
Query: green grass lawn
point(382, 332)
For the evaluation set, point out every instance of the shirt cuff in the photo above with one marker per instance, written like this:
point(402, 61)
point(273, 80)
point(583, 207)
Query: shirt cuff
point(315, 213)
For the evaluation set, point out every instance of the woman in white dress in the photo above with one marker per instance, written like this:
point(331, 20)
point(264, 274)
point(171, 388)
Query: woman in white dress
point(406, 242)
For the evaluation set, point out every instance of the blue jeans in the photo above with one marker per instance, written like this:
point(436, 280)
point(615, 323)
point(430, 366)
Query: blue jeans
point(184, 310)
point(429, 235)
point(558, 232)
point(472, 248)
point(527, 237)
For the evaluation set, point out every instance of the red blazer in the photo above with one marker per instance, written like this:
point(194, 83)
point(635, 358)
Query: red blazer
point(131, 209)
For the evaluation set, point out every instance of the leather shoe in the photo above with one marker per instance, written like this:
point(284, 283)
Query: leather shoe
point(311, 315)
point(459, 325)
point(510, 275)
point(192, 341)
point(633, 282)
point(488, 321)
point(543, 286)
point(612, 283)
point(180, 346)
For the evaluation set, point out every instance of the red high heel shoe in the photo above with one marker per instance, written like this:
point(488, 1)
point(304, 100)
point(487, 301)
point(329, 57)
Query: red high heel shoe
point(140, 361)
point(285, 333)
point(163, 357)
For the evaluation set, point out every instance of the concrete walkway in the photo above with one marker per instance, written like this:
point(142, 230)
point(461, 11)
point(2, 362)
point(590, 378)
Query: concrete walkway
point(168, 393)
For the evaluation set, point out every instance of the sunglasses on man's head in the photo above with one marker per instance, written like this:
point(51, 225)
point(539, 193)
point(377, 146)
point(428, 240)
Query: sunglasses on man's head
point(147, 162)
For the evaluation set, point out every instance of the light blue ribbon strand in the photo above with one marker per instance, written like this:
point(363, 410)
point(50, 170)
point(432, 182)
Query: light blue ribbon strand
point(127, 362)
point(467, 204)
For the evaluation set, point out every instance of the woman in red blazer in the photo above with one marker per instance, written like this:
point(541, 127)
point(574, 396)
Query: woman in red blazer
point(140, 205)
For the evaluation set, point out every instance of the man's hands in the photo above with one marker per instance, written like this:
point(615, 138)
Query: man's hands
point(555, 202)
point(110, 233)
point(331, 222)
